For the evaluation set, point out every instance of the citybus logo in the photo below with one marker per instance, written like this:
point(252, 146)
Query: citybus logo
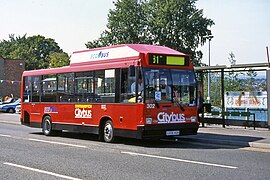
point(83, 111)
point(99, 55)
point(170, 118)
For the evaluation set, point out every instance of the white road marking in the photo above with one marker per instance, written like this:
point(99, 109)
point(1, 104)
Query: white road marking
point(4, 135)
point(10, 122)
point(179, 160)
point(40, 171)
point(44, 141)
point(59, 143)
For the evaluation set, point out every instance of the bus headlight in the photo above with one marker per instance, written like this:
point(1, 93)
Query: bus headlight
point(193, 118)
point(148, 120)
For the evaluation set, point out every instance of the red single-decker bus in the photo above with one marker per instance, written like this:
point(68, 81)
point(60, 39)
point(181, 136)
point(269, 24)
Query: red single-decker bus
point(130, 90)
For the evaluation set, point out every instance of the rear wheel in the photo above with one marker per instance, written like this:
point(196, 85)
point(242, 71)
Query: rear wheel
point(47, 126)
point(108, 132)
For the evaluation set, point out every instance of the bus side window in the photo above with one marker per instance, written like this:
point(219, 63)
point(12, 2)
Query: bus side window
point(36, 89)
point(66, 87)
point(27, 94)
point(49, 88)
point(109, 94)
point(127, 78)
point(124, 84)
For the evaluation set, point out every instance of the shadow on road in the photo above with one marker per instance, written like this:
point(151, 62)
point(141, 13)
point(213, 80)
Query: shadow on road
point(200, 141)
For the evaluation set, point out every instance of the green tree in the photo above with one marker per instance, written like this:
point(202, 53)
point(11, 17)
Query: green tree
point(250, 81)
point(232, 59)
point(232, 81)
point(35, 50)
point(14, 48)
point(215, 89)
point(126, 24)
point(177, 24)
point(58, 60)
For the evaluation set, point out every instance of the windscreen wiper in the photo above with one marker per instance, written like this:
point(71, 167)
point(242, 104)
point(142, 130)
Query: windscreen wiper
point(156, 103)
point(180, 105)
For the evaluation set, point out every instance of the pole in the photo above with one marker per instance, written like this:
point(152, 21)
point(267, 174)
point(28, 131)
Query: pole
point(202, 118)
point(208, 85)
point(209, 37)
point(223, 98)
point(267, 56)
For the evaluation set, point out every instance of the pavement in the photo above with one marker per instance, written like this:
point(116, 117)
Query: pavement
point(233, 136)
point(210, 134)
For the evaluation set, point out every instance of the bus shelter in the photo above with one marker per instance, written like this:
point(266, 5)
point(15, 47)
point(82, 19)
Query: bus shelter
point(235, 107)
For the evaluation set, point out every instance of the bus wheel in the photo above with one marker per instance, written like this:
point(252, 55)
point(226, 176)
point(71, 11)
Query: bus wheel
point(108, 131)
point(47, 126)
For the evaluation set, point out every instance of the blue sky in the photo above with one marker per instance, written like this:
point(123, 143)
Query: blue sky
point(241, 26)
point(71, 23)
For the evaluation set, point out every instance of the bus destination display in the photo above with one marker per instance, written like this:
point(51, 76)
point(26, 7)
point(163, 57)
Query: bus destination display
point(161, 59)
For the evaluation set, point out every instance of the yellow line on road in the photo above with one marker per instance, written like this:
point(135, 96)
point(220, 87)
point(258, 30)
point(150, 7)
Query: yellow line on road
point(255, 149)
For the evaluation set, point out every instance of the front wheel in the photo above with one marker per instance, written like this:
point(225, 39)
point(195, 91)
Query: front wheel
point(47, 126)
point(108, 132)
point(10, 110)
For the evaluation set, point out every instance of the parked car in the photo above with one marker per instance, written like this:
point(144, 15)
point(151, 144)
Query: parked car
point(10, 108)
point(215, 112)
point(9, 100)
point(18, 109)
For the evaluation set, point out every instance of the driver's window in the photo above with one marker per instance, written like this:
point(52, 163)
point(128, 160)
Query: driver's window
point(158, 85)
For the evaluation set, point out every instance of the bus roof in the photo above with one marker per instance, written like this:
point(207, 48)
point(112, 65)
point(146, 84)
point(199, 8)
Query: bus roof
point(110, 56)
point(127, 51)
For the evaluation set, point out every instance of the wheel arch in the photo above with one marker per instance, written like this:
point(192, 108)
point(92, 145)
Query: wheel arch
point(44, 115)
point(102, 123)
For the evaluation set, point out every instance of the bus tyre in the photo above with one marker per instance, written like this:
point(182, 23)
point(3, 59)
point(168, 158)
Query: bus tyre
point(47, 126)
point(108, 132)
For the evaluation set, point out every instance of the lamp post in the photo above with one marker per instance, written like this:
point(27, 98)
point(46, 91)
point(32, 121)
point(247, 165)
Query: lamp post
point(209, 37)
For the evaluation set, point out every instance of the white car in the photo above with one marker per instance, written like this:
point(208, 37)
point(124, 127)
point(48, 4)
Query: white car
point(18, 109)
point(9, 100)
point(10, 107)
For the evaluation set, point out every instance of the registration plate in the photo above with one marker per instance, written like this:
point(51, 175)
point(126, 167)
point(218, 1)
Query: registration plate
point(172, 133)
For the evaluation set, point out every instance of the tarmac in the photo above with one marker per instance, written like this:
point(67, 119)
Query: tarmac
point(232, 136)
point(237, 136)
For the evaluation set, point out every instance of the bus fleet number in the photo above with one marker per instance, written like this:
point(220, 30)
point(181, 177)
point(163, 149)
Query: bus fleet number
point(150, 106)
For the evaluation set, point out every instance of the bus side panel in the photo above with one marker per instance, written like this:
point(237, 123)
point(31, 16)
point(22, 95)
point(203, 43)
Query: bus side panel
point(32, 114)
point(123, 116)
point(85, 117)
point(27, 117)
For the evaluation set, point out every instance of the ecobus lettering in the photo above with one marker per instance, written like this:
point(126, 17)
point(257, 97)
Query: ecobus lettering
point(170, 118)
point(99, 55)
point(83, 113)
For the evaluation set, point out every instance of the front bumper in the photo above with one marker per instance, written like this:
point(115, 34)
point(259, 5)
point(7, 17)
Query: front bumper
point(3, 110)
point(159, 130)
